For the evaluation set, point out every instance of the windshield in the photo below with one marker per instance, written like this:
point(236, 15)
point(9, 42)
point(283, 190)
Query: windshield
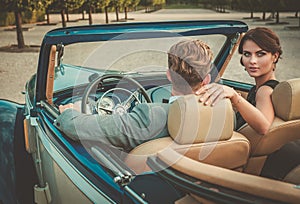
point(77, 62)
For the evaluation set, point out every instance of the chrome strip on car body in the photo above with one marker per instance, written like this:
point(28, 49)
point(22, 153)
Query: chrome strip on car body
point(81, 182)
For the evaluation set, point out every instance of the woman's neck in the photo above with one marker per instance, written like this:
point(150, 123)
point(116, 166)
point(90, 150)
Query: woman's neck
point(263, 79)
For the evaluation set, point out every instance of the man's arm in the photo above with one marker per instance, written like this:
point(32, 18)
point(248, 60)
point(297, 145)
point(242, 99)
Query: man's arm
point(143, 123)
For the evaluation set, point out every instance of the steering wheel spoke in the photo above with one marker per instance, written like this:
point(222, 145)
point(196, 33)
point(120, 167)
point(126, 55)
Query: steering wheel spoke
point(115, 108)
point(105, 109)
point(130, 99)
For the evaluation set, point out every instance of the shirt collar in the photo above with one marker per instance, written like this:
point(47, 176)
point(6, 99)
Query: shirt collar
point(173, 98)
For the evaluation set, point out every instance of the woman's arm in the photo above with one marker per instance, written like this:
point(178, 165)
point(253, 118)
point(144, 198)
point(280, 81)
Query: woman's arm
point(259, 118)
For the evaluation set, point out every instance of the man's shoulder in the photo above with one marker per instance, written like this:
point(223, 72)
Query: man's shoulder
point(150, 109)
point(153, 105)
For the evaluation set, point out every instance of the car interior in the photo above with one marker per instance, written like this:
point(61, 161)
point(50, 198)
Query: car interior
point(202, 141)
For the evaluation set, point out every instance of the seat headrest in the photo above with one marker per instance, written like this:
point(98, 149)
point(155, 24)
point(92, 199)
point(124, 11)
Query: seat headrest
point(286, 99)
point(189, 121)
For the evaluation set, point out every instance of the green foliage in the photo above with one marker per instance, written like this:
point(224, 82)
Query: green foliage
point(73, 4)
point(33, 16)
point(134, 3)
point(43, 4)
point(116, 3)
point(20, 5)
point(100, 3)
point(152, 3)
point(58, 5)
point(293, 5)
point(8, 18)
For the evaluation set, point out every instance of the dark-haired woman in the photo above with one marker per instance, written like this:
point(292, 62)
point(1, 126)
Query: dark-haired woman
point(260, 49)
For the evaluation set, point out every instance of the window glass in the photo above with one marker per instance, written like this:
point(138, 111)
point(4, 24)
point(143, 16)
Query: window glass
point(81, 60)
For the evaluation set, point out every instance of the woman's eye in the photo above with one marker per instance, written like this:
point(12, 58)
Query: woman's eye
point(247, 54)
point(260, 54)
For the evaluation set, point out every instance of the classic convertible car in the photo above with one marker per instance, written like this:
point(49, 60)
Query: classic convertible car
point(109, 69)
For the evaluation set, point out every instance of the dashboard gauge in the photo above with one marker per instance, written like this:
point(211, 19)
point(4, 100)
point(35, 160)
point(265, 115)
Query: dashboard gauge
point(105, 106)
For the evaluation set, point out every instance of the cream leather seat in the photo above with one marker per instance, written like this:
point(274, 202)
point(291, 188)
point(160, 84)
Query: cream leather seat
point(285, 128)
point(200, 132)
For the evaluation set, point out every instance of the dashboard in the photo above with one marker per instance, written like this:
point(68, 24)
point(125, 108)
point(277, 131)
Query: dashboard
point(119, 100)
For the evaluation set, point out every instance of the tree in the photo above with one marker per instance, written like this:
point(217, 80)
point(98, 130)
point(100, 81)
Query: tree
point(129, 4)
point(134, 3)
point(293, 5)
point(90, 4)
point(103, 4)
point(276, 7)
point(146, 4)
point(126, 4)
point(264, 7)
point(151, 5)
point(158, 4)
point(64, 5)
point(116, 4)
point(47, 4)
point(17, 7)
point(220, 5)
point(248, 5)
point(61, 6)
point(72, 5)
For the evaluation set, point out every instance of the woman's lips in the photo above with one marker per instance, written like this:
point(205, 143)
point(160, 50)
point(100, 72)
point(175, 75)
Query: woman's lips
point(253, 69)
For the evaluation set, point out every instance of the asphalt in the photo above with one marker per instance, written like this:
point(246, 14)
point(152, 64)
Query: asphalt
point(17, 67)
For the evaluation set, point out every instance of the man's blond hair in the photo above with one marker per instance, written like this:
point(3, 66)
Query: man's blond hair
point(189, 62)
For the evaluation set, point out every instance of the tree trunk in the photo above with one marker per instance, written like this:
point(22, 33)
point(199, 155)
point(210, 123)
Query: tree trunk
point(63, 20)
point(82, 14)
point(106, 15)
point(48, 16)
point(273, 14)
point(264, 16)
point(277, 17)
point(117, 14)
point(90, 16)
point(125, 11)
point(67, 14)
point(20, 37)
point(251, 14)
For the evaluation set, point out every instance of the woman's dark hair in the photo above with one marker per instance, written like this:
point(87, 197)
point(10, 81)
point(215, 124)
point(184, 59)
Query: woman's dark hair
point(265, 38)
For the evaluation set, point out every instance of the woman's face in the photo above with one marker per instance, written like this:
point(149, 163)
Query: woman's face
point(257, 61)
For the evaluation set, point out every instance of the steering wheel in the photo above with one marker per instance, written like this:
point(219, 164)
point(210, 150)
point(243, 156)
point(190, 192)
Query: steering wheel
point(121, 106)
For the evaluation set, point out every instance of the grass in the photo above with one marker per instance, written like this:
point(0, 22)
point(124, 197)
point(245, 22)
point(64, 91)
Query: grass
point(183, 6)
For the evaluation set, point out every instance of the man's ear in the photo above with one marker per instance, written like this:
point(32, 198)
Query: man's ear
point(206, 80)
point(169, 75)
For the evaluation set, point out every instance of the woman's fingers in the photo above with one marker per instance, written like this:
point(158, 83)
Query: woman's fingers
point(216, 96)
point(211, 93)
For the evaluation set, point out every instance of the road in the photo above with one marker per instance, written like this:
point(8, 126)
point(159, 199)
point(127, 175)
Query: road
point(17, 68)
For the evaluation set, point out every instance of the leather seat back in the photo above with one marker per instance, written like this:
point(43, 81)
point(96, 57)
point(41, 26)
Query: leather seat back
point(203, 133)
point(285, 127)
point(191, 122)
